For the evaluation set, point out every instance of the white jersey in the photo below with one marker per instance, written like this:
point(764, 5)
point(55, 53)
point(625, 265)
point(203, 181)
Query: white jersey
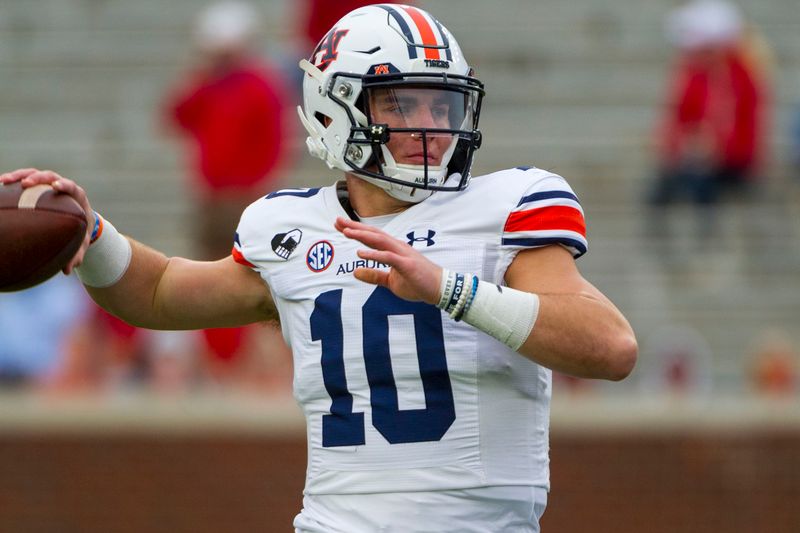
point(397, 396)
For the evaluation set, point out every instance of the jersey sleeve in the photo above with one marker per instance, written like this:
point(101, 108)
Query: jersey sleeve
point(249, 240)
point(548, 212)
point(269, 230)
point(238, 254)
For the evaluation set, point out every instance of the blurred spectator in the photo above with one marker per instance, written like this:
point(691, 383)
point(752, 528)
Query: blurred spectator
point(233, 108)
point(172, 365)
point(313, 19)
point(319, 16)
point(36, 326)
point(106, 354)
point(713, 130)
point(678, 361)
point(774, 365)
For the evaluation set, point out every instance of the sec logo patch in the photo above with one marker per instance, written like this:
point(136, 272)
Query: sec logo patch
point(319, 256)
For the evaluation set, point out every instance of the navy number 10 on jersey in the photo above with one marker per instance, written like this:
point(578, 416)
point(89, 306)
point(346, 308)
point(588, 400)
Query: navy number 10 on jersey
point(343, 427)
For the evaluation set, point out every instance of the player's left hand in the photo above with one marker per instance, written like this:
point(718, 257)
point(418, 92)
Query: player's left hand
point(411, 276)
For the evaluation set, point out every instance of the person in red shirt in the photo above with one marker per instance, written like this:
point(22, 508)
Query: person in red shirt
point(233, 110)
point(320, 16)
point(710, 140)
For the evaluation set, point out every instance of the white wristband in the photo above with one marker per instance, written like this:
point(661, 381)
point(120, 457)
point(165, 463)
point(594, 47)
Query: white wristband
point(107, 258)
point(506, 314)
point(446, 288)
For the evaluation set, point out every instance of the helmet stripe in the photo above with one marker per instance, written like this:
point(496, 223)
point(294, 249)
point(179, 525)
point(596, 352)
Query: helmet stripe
point(412, 50)
point(445, 40)
point(425, 31)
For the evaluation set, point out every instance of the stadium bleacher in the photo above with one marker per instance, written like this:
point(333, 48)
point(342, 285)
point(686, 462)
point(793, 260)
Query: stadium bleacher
point(572, 86)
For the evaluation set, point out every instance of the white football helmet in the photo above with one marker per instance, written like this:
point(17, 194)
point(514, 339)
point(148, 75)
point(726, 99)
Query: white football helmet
point(388, 96)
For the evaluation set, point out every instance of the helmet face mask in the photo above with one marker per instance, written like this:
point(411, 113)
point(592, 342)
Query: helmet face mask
point(375, 108)
point(415, 127)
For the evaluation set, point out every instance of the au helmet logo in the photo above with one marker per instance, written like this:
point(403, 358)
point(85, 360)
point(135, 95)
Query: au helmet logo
point(283, 244)
point(319, 256)
point(328, 48)
point(382, 68)
point(412, 238)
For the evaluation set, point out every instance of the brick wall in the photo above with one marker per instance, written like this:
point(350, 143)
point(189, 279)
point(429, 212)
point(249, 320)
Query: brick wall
point(138, 484)
point(691, 483)
point(606, 482)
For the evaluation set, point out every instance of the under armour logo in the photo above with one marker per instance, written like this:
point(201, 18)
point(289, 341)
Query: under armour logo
point(429, 239)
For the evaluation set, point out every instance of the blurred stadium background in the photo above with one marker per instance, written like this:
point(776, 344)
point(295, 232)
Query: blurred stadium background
point(575, 87)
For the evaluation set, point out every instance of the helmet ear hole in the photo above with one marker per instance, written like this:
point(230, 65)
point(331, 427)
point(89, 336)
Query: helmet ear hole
point(323, 118)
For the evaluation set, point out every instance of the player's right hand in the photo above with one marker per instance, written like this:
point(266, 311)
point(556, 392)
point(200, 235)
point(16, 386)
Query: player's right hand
point(412, 276)
point(28, 177)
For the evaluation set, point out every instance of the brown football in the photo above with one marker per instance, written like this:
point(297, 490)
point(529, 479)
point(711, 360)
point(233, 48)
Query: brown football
point(40, 231)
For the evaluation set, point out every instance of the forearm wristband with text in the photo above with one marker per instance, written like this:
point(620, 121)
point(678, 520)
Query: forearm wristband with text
point(506, 314)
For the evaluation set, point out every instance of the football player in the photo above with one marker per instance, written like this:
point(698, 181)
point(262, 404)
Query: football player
point(425, 308)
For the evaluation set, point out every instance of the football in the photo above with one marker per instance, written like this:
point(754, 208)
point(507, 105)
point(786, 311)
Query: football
point(40, 231)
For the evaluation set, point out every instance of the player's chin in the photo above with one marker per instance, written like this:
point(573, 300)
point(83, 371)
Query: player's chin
point(421, 161)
